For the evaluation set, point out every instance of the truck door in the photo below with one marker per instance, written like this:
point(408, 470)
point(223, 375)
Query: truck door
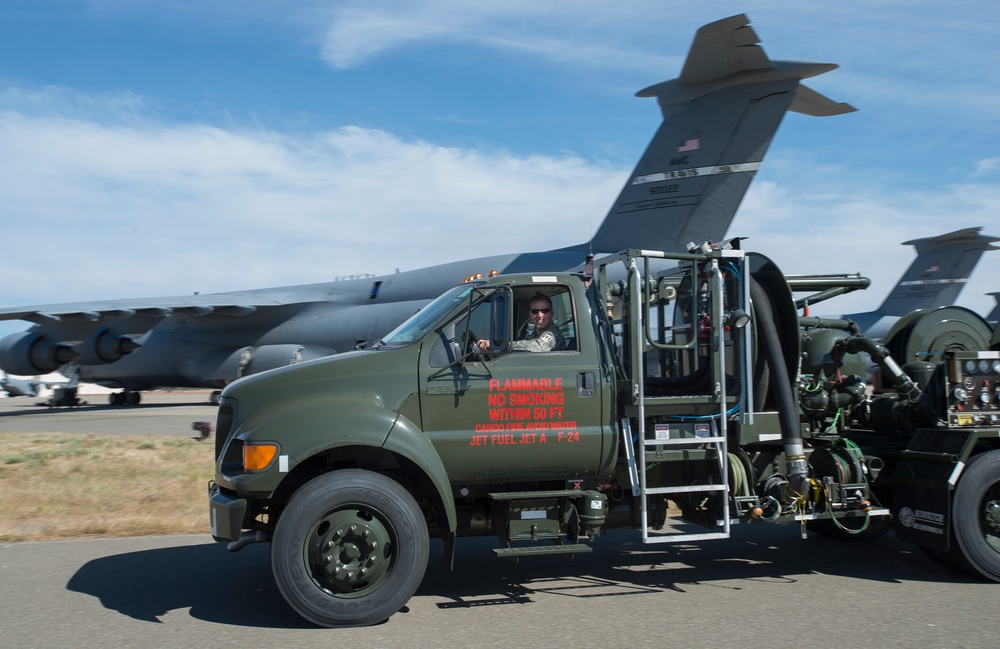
point(517, 415)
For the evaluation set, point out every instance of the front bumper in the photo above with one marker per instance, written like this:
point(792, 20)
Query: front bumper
point(226, 513)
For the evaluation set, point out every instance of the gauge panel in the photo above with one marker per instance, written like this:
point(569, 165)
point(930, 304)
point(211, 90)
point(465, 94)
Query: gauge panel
point(973, 392)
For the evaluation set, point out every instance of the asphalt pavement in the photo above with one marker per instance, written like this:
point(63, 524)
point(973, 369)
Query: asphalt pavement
point(160, 413)
point(765, 587)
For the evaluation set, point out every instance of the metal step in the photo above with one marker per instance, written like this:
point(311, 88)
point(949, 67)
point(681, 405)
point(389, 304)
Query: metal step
point(533, 495)
point(681, 489)
point(850, 513)
point(683, 440)
point(675, 538)
point(531, 550)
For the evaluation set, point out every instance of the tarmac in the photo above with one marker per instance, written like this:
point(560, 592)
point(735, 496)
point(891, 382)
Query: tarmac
point(171, 413)
point(764, 587)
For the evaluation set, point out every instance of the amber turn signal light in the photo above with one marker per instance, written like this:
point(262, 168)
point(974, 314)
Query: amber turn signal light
point(258, 456)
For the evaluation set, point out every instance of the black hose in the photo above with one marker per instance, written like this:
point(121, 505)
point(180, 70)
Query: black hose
point(788, 419)
point(905, 387)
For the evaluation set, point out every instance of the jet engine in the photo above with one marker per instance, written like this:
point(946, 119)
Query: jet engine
point(104, 346)
point(222, 368)
point(268, 357)
point(29, 352)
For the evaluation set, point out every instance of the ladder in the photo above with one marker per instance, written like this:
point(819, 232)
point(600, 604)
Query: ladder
point(637, 446)
point(641, 487)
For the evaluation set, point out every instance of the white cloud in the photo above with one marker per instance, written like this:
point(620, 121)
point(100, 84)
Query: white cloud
point(142, 208)
point(986, 167)
point(909, 55)
point(127, 210)
point(208, 208)
point(358, 31)
point(823, 220)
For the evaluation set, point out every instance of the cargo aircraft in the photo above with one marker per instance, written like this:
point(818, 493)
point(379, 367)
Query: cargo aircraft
point(15, 387)
point(934, 279)
point(719, 117)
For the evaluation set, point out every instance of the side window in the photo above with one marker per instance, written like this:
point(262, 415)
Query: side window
point(449, 340)
point(478, 320)
point(450, 344)
point(563, 314)
point(562, 303)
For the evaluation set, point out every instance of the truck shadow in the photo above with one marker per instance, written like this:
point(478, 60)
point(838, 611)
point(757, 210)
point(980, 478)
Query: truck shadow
point(217, 586)
point(237, 589)
point(621, 565)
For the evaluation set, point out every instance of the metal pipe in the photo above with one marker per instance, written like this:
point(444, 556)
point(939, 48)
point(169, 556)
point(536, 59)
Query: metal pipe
point(246, 538)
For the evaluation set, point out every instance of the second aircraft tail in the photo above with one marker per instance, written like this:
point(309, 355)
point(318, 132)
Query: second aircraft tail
point(940, 271)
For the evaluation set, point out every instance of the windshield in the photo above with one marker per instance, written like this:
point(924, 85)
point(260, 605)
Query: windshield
point(426, 318)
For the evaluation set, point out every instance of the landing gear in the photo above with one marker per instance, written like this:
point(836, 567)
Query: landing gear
point(349, 549)
point(125, 398)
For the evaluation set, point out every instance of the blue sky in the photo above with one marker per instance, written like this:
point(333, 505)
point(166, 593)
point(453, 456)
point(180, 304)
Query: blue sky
point(172, 146)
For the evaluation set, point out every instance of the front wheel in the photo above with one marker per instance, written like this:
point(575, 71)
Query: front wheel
point(976, 517)
point(350, 548)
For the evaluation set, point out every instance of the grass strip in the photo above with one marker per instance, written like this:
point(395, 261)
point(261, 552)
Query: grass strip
point(59, 486)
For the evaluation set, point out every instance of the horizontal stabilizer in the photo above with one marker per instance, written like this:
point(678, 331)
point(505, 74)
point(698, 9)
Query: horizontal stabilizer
point(967, 237)
point(809, 102)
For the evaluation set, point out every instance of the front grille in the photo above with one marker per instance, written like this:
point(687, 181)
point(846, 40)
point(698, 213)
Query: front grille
point(223, 424)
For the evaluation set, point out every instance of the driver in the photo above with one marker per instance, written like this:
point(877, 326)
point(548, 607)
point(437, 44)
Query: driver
point(544, 337)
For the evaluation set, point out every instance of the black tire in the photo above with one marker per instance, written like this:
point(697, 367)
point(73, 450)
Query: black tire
point(975, 517)
point(349, 549)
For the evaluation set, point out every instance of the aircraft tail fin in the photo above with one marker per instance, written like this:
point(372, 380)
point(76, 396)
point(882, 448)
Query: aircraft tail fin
point(938, 274)
point(719, 117)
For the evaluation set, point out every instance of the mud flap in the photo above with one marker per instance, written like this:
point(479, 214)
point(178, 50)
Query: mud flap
point(922, 487)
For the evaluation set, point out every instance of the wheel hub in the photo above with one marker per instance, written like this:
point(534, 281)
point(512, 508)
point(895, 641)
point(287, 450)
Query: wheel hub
point(991, 521)
point(992, 514)
point(349, 551)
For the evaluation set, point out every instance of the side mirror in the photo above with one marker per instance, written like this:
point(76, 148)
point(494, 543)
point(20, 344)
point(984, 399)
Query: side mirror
point(500, 315)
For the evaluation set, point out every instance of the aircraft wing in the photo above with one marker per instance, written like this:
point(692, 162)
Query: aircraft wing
point(230, 304)
point(103, 332)
point(118, 309)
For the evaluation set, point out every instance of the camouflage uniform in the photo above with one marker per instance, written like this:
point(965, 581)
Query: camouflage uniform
point(550, 340)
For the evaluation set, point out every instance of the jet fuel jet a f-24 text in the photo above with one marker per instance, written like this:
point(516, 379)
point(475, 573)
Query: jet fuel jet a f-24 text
point(719, 117)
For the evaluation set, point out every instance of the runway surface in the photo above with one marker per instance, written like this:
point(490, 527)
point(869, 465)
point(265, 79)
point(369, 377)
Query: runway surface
point(160, 413)
point(765, 587)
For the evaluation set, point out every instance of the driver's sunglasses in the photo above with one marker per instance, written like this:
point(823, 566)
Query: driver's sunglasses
point(537, 311)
